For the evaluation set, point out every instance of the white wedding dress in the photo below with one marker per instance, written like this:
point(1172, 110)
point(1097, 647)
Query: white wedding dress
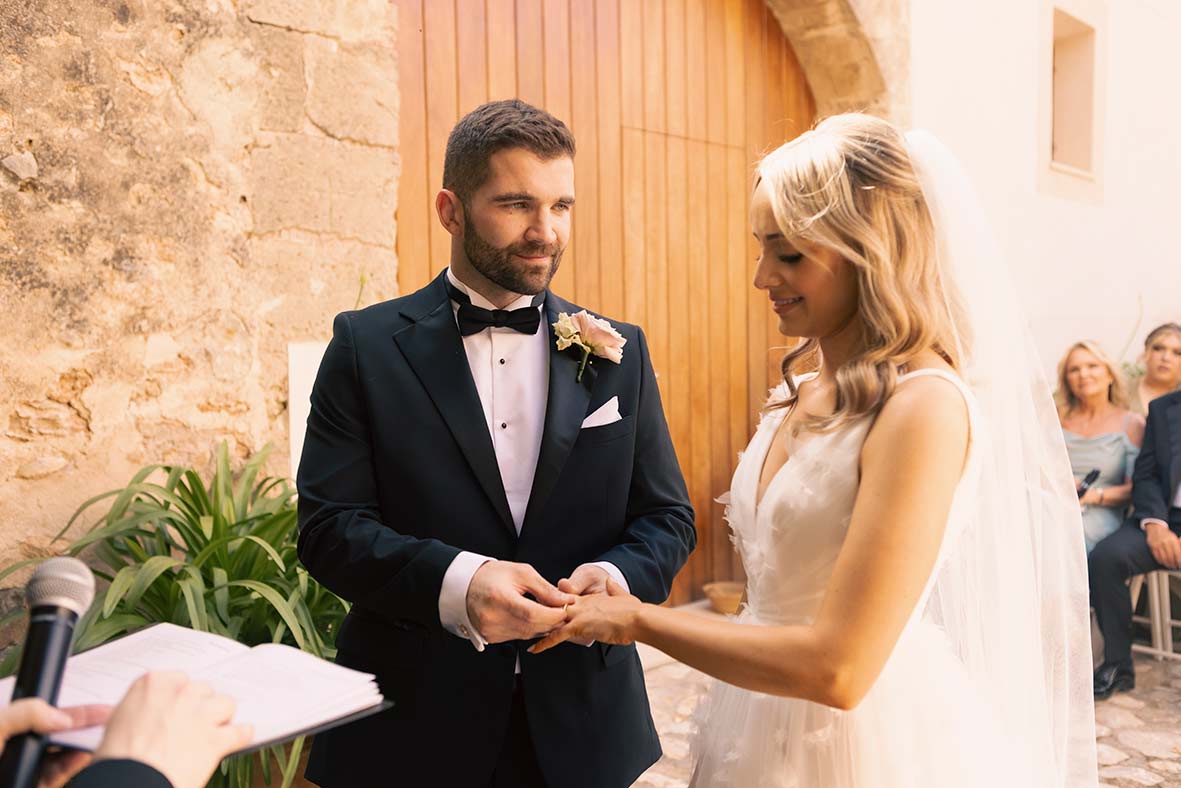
point(924, 723)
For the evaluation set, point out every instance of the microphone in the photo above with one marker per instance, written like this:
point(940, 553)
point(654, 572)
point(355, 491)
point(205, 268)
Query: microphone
point(1087, 481)
point(59, 592)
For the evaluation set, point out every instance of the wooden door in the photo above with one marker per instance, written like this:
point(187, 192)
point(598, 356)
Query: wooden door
point(671, 103)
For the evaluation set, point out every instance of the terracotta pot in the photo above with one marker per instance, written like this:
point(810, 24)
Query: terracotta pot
point(724, 596)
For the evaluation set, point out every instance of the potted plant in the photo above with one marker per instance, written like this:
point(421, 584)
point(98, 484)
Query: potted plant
point(218, 557)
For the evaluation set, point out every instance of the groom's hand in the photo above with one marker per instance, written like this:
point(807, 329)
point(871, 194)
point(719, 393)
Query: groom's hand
point(586, 579)
point(499, 609)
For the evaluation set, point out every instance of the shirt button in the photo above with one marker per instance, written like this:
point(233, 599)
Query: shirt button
point(502, 362)
point(504, 425)
point(464, 631)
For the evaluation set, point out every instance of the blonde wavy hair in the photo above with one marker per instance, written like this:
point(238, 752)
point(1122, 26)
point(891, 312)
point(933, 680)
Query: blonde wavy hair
point(1117, 392)
point(848, 184)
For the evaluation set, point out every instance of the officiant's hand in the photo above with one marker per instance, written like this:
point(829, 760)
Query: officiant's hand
point(33, 715)
point(609, 618)
point(180, 728)
point(499, 609)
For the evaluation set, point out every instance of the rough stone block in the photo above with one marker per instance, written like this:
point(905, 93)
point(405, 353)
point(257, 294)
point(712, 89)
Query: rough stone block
point(282, 89)
point(348, 20)
point(353, 91)
point(321, 185)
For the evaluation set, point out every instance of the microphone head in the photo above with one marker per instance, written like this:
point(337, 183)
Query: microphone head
point(61, 582)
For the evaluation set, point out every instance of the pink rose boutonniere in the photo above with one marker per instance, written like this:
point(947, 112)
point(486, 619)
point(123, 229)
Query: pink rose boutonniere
point(592, 335)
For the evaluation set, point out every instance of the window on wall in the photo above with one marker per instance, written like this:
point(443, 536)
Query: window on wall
point(1074, 94)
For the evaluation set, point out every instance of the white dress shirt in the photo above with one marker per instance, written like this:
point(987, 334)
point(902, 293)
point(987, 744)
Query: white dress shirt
point(511, 372)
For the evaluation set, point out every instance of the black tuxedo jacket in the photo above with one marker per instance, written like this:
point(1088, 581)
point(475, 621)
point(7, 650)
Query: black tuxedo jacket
point(398, 475)
point(1158, 468)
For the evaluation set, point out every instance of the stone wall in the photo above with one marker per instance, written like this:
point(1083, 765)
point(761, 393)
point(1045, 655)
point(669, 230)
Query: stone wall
point(185, 187)
point(856, 53)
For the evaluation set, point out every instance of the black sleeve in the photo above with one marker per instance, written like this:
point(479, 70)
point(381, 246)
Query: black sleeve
point(119, 774)
point(1148, 496)
point(660, 530)
point(343, 541)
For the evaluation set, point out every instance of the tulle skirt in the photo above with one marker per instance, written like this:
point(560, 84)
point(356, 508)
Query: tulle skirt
point(921, 724)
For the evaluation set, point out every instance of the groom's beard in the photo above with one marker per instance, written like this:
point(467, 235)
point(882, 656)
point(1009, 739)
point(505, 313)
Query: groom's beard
point(496, 264)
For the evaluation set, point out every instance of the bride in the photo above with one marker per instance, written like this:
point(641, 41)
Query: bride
point(916, 606)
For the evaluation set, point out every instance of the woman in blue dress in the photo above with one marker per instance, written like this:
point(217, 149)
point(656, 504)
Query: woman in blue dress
point(1101, 434)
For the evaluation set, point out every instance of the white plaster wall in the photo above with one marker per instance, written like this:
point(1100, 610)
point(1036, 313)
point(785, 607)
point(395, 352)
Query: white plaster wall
point(977, 81)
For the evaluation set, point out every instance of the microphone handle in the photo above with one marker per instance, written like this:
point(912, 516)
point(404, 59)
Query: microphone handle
point(43, 662)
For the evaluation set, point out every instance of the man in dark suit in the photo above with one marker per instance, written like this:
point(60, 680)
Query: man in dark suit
point(1149, 540)
point(458, 463)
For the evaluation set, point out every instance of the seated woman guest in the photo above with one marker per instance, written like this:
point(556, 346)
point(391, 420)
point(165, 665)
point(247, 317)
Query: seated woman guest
point(1101, 434)
point(1162, 368)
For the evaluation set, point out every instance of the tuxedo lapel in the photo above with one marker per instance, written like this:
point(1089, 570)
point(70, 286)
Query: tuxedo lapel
point(434, 349)
point(566, 407)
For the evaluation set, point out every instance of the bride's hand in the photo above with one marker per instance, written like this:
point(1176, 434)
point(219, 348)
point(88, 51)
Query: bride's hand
point(609, 618)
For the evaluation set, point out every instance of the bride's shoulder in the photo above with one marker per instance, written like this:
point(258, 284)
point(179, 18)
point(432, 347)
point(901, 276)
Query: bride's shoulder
point(930, 403)
point(781, 392)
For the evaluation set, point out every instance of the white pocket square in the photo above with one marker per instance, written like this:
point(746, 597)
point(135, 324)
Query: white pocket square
point(607, 413)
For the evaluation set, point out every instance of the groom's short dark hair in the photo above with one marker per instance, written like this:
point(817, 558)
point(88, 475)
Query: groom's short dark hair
point(497, 126)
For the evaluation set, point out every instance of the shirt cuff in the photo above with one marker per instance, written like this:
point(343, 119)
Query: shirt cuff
point(1144, 523)
point(613, 570)
point(453, 597)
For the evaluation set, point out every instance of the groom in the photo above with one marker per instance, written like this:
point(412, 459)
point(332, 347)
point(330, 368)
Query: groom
point(458, 464)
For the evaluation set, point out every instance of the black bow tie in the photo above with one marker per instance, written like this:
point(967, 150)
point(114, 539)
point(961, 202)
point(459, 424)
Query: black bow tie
point(473, 319)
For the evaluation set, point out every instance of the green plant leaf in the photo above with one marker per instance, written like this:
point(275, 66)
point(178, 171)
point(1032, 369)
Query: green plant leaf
point(147, 574)
point(279, 604)
point(104, 629)
point(202, 557)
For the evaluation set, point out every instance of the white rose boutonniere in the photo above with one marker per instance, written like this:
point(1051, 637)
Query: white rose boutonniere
point(591, 335)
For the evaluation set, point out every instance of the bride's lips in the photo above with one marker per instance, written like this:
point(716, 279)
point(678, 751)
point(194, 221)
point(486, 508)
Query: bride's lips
point(785, 305)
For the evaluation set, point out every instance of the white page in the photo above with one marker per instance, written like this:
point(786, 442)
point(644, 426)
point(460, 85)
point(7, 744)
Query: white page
point(278, 689)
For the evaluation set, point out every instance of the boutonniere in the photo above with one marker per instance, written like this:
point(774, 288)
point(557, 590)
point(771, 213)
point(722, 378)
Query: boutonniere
point(591, 335)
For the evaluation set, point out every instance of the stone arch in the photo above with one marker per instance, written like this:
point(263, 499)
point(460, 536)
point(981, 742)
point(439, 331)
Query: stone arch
point(855, 53)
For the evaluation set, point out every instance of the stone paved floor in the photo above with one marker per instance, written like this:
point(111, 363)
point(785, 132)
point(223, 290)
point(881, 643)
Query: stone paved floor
point(1139, 733)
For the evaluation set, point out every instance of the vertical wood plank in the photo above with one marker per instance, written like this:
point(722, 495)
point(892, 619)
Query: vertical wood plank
point(698, 472)
point(631, 62)
point(656, 252)
point(635, 295)
point(654, 66)
point(695, 105)
point(530, 53)
point(719, 401)
point(554, 40)
point(680, 312)
point(675, 74)
point(500, 18)
point(737, 228)
point(471, 54)
point(737, 201)
point(756, 135)
point(580, 277)
point(715, 66)
point(442, 111)
point(609, 111)
point(683, 311)
point(735, 73)
point(413, 219)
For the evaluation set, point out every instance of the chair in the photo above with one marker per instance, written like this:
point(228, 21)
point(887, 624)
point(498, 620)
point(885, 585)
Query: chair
point(1160, 615)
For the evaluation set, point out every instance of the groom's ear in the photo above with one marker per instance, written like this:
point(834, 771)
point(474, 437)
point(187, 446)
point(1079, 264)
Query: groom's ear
point(450, 210)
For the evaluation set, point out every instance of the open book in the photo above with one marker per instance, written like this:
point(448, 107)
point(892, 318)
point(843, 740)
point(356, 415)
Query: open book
point(281, 691)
